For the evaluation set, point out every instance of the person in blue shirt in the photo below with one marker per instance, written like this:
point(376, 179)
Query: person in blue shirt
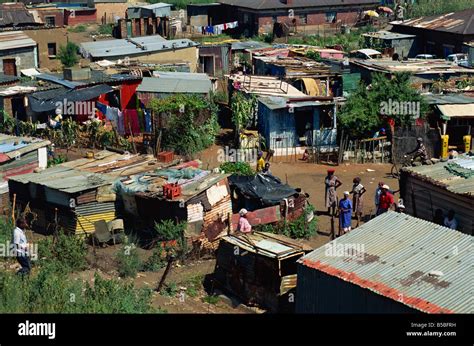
point(345, 213)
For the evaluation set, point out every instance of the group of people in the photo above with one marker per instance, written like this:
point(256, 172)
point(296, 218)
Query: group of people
point(384, 200)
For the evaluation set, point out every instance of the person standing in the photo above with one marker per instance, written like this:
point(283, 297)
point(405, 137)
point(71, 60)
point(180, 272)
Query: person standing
point(244, 224)
point(358, 191)
point(345, 213)
point(378, 192)
point(386, 200)
point(21, 246)
point(332, 183)
point(450, 221)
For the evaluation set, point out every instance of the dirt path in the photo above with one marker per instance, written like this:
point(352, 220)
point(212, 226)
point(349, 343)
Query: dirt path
point(310, 177)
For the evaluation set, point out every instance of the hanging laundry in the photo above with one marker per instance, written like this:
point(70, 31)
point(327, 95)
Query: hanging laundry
point(148, 127)
point(112, 114)
point(131, 122)
point(120, 123)
point(101, 107)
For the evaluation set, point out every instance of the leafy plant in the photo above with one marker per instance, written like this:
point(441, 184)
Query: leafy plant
point(105, 29)
point(191, 122)
point(211, 299)
point(297, 229)
point(68, 54)
point(51, 291)
point(56, 160)
point(64, 252)
point(169, 230)
point(362, 113)
point(170, 290)
point(129, 263)
point(6, 229)
point(313, 55)
point(7, 123)
point(156, 261)
point(243, 109)
point(78, 28)
point(239, 168)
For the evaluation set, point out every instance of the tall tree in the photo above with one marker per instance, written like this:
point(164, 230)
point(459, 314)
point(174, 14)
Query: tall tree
point(386, 98)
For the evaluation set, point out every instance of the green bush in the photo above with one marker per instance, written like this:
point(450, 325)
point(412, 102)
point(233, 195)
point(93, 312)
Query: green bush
point(51, 291)
point(156, 261)
point(211, 299)
point(64, 252)
point(78, 28)
point(6, 230)
point(68, 54)
point(297, 229)
point(169, 230)
point(129, 262)
point(239, 168)
point(170, 290)
point(191, 122)
point(105, 29)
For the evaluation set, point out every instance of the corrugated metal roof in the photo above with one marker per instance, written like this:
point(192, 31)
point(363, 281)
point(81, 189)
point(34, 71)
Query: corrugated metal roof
point(132, 47)
point(15, 39)
point(176, 82)
point(24, 145)
point(249, 45)
point(399, 257)
point(13, 14)
point(388, 35)
point(265, 244)
point(439, 175)
point(65, 179)
point(457, 111)
point(447, 99)
point(277, 4)
point(461, 22)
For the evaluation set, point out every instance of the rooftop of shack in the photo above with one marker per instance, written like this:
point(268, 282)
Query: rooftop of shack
point(267, 244)
point(455, 175)
point(12, 146)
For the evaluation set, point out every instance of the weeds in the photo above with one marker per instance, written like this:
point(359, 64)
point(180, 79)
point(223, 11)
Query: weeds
point(129, 263)
point(170, 290)
point(64, 252)
point(53, 292)
point(211, 299)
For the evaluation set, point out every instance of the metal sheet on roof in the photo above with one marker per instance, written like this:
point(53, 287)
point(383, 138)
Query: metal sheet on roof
point(397, 257)
point(15, 39)
point(65, 179)
point(132, 47)
point(457, 111)
point(439, 175)
point(176, 84)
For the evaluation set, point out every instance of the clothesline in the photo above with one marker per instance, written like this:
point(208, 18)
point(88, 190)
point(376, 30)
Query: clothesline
point(216, 29)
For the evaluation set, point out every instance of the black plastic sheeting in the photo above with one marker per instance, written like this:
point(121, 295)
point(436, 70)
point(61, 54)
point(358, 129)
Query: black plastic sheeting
point(265, 188)
point(45, 101)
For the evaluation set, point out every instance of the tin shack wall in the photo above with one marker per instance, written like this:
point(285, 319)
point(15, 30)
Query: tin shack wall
point(320, 293)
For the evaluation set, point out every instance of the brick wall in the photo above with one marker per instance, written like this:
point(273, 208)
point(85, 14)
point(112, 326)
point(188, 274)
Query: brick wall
point(58, 15)
point(73, 17)
point(265, 24)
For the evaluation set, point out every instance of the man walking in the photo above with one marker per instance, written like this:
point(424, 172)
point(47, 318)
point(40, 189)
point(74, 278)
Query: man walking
point(21, 246)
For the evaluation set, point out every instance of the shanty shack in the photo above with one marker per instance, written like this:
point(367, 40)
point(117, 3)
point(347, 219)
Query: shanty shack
point(70, 198)
point(445, 185)
point(182, 193)
point(19, 155)
point(395, 263)
point(266, 199)
point(260, 268)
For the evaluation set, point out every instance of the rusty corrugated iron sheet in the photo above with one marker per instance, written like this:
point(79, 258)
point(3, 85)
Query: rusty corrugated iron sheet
point(415, 262)
point(461, 22)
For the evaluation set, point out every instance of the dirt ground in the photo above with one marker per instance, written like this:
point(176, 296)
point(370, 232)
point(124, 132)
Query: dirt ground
point(189, 297)
point(310, 178)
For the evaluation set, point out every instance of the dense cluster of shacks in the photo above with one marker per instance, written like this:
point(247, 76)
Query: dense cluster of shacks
point(392, 256)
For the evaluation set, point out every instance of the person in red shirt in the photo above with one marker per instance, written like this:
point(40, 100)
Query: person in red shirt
point(386, 200)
